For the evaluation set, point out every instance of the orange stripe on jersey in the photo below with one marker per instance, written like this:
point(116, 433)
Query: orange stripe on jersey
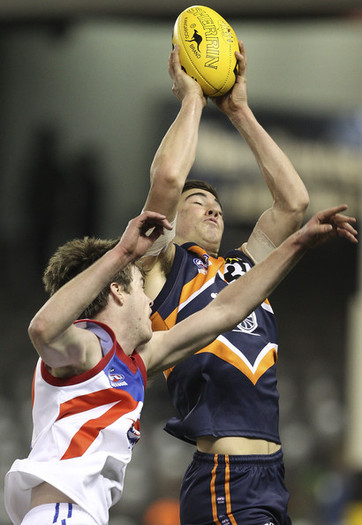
point(167, 372)
point(213, 492)
point(223, 352)
point(199, 281)
point(227, 491)
point(158, 323)
point(87, 433)
point(195, 286)
point(89, 401)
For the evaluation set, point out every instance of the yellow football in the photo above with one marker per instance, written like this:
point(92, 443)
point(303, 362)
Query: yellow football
point(207, 46)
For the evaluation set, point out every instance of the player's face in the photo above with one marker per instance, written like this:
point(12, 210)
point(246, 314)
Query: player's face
point(139, 309)
point(200, 220)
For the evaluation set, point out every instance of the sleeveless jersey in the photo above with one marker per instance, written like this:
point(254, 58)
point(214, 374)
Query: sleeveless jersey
point(228, 388)
point(84, 429)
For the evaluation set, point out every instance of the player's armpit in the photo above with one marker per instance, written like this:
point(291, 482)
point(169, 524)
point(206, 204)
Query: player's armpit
point(161, 244)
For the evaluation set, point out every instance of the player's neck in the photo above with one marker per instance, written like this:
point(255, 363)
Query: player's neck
point(123, 329)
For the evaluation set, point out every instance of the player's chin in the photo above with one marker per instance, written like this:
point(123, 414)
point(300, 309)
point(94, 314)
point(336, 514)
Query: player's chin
point(146, 337)
point(213, 224)
point(147, 331)
point(212, 241)
point(213, 229)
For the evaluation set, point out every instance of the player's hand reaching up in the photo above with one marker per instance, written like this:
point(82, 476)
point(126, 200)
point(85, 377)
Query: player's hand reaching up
point(141, 233)
point(183, 84)
point(237, 97)
point(326, 225)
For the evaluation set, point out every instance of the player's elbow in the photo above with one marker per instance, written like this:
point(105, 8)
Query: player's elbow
point(38, 331)
point(302, 202)
point(164, 172)
point(296, 208)
point(300, 209)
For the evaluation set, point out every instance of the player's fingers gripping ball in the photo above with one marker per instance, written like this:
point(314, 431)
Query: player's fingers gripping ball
point(207, 45)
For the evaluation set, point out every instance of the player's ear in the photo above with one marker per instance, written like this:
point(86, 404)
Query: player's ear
point(116, 291)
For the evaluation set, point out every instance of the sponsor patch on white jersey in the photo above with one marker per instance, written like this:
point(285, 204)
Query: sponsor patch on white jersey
point(116, 379)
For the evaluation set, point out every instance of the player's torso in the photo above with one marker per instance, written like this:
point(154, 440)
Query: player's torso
point(101, 408)
point(229, 387)
point(84, 431)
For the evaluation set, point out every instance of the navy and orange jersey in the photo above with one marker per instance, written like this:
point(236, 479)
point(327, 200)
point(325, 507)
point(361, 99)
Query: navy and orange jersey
point(229, 388)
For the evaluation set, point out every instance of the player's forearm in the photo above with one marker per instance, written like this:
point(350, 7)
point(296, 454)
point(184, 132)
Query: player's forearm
point(174, 158)
point(178, 148)
point(233, 304)
point(241, 298)
point(236, 301)
point(285, 185)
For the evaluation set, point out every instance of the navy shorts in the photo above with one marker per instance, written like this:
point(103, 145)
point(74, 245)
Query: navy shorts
point(234, 490)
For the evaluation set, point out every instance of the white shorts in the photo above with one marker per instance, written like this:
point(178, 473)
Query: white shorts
point(58, 513)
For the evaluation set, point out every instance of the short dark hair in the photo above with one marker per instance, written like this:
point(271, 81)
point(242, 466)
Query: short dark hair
point(75, 256)
point(201, 185)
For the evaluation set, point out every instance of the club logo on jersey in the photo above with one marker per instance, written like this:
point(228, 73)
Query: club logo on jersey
point(248, 325)
point(116, 379)
point(202, 264)
point(133, 434)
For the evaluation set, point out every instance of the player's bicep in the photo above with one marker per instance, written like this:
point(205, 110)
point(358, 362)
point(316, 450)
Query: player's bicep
point(74, 347)
point(163, 197)
point(258, 246)
point(272, 228)
point(167, 348)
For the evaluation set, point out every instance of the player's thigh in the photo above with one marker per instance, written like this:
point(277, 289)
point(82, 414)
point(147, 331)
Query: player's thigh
point(59, 514)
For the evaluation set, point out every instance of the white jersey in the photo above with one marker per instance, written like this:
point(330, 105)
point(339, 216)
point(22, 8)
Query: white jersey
point(84, 430)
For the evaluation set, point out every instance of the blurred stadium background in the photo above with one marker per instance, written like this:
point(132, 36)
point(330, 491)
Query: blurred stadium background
point(85, 99)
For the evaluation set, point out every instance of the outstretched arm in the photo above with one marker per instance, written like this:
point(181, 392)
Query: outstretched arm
point(176, 153)
point(239, 299)
point(52, 331)
point(290, 197)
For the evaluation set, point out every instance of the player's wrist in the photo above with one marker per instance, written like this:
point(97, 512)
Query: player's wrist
point(241, 115)
point(194, 100)
point(124, 255)
point(300, 241)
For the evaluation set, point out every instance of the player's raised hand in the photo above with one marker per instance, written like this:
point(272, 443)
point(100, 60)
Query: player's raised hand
point(237, 96)
point(328, 224)
point(183, 84)
point(141, 233)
